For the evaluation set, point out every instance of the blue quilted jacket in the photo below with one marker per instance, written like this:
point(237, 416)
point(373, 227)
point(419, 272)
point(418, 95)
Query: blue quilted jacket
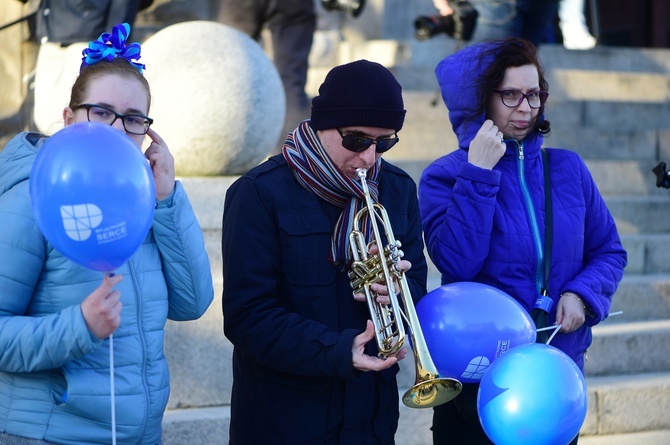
point(54, 374)
point(488, 226)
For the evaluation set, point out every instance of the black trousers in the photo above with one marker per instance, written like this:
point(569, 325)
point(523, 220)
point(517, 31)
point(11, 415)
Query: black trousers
point(457, 422)
point(292, 24)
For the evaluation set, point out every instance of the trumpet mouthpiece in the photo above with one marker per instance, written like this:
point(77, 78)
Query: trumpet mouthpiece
point(361, 172)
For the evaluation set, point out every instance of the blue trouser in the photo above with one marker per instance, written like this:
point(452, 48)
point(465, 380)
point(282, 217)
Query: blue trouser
point(499, 19)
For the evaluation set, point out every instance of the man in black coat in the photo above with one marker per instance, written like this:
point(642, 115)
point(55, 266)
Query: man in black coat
point(305, 364)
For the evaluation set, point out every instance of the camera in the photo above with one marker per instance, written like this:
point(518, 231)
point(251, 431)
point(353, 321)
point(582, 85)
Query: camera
point(662, 176)
point(459, 25)
point(355, 7)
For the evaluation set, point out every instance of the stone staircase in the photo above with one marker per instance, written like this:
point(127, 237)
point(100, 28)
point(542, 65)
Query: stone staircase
point(611, 106)
point(608, 104)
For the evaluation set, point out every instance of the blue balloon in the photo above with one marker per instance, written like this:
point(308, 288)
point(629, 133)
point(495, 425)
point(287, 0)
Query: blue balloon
point(468, 325)
point(93, 195)
point(534, 394)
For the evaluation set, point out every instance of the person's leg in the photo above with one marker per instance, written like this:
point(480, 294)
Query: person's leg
point(537, 17)
point(292, 26)
point(573, 27)
point(247, 16)
point(457, 422)
point(495, 20)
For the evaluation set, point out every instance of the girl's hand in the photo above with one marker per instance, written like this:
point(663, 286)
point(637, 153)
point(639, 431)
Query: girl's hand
point(162, 165)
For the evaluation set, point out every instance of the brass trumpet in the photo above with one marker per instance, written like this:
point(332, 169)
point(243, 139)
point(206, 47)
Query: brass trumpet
point(429, 388)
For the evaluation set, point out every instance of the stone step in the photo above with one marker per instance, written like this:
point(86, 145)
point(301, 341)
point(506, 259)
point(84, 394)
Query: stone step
point(641, 297)
point(640, 214)
point(622, 410)
point(648, 255)
point(613, 177)
point(604, 73)
point(661, 437)
point(612, 402)
point(629, 348)
point(633, 214)
point(595, 130)
point(618, 349)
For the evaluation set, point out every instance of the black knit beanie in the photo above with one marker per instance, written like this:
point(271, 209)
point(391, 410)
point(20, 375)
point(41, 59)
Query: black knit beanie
point(358, 94)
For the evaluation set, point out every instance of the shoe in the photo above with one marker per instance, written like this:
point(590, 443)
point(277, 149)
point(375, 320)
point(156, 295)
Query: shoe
point(577, 37)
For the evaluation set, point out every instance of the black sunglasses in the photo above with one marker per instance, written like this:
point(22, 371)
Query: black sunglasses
point(359, 144)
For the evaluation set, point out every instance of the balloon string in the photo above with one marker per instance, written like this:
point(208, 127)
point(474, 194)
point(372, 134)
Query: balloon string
point(545, 329)
point(556, 328)
point(111, 386)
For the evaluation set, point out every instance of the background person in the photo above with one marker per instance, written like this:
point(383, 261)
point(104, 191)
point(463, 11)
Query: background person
point(303, 355)
point(292, 24)
point(573, 27)
point(499, 19)
point(483, 209)
point(56, 315)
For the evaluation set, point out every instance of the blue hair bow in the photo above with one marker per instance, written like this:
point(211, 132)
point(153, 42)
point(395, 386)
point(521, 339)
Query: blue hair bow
point(112, 45)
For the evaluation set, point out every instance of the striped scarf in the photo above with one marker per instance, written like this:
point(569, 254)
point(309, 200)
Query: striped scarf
point(312, 167)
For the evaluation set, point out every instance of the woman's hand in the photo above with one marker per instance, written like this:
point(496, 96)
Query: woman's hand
point(102, 308)
point(487, 147)
point(364, 362)
point(570, 312)
point(162, 165)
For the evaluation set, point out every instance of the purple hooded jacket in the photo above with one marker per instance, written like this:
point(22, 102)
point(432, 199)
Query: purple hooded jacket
point(488, 226)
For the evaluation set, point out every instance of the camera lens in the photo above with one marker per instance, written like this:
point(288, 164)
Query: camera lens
point(427, 26)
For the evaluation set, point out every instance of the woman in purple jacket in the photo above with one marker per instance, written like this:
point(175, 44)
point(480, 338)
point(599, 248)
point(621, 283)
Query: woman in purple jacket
point(484, 212)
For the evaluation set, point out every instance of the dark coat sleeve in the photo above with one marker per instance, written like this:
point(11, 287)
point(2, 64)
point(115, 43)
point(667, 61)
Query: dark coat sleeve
point(266, 316)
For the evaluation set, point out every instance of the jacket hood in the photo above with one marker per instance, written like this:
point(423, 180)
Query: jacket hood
point(17, 158)
point(459, 77)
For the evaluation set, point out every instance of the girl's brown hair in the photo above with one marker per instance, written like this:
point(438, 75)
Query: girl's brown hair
point(117, 66)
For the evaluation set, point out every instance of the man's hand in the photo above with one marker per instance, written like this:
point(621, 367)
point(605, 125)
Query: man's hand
point(443, 7)
point(364, 362)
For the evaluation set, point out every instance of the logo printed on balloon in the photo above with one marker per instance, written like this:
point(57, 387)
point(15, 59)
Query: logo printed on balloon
point(476, 368)
point(79, 220)
point(503, 346)
point(93, 195)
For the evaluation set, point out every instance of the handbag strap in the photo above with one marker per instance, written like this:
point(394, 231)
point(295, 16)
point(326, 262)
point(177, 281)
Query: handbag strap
point(548, 221)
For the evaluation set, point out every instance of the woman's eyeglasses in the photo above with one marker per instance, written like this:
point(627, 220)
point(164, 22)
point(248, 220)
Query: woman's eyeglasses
point(359, 144)
point(513, 98)
point(132, 123)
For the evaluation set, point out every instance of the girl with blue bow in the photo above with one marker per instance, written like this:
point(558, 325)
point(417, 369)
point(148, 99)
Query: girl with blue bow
point(56, 316)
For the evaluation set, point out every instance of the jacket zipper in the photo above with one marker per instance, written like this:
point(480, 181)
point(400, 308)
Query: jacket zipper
point(140, 327)
point(530, 209)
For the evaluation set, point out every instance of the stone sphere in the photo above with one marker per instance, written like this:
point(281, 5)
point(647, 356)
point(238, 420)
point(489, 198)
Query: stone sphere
point(217, 99)
point(55, 71)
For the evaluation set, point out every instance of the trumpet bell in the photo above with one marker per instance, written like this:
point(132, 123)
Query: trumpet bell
point(432, 392)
